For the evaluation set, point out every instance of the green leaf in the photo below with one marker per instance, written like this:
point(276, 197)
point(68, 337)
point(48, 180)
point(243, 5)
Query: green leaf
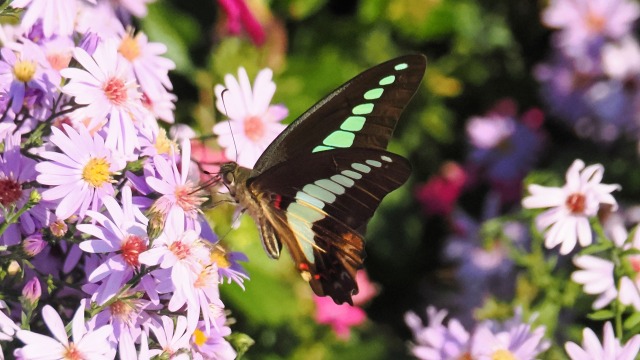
point(632, 321)
point(601, 315)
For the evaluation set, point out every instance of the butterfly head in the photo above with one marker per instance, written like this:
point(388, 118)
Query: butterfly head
point(229, 174)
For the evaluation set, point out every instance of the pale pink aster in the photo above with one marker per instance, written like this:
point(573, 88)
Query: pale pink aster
point(8, 327)
point(85, 344)
point(178, 191)
point(160, 105)
point(58, 16)
point(180, 250)
point(204, 299)
point(253, 123)
point(151, 69)
point(107, 86)
point(518, 342)
point(24, 70)
point(571, 206)
point(437, 341)
point(596, 276)
point(81, 174)
point(100, 18)
point(609, 349)
point(621, 60)
point(583, 21)
point(137, 8)
point(122, 236)
point(172, 339)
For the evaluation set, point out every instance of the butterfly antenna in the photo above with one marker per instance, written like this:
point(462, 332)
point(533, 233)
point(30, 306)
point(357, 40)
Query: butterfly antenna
point(230, 129)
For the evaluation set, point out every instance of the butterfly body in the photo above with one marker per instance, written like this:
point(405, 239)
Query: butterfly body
point(320, 181)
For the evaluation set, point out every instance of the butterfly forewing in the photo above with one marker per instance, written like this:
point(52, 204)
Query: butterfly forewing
point(317, 210)
point(360, 114)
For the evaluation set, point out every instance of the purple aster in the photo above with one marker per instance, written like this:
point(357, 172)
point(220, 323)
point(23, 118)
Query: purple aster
point(213, 345)
point(28, 68)
point(122, 237)
point(228, 265)
point(436, 340)
point(171, 338)
point(81, 174)
point(609, 349)
point(16, 172)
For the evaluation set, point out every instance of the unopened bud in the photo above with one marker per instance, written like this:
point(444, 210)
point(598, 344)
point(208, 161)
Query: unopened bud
point(33, 244)
point(13, 267)
point(32, 290)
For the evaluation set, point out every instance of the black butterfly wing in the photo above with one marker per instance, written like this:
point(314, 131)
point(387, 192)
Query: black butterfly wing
point(362, 113)
point(316, 203)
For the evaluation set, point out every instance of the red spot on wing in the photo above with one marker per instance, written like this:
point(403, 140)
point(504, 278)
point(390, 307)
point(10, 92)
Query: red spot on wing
point(277, 201)
point(303, 267)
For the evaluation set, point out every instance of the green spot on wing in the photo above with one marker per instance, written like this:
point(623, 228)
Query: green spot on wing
point(361, 167)
point(331, 186)
point(304, 197)
point(340, 139)
point(401, 66)
point(317, 192)
point(353, 123)
point(352, 174)
point(321, 148)
point(362, 109)
point(373, 94)
point(343, 180)
point(387, 80)
point(374, 163)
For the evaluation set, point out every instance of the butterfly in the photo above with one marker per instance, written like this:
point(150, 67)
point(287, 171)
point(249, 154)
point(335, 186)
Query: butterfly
point(319, 182)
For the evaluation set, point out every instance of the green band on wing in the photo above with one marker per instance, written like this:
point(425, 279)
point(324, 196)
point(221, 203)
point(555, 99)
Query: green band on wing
point(373, 94)
point(321, 148)
point(331, 186)
point(343, 180)
point(340, 139)
point(374, 163)
point(363, 109)
point(387, 80)
point(317, 192)
point(353, 123)
point(401, 66)
point(361, 167)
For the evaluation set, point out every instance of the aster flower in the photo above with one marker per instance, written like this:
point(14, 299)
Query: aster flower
point(58, 17)
point(27, 69)
point(583, 22)
point(519, 342)
point(610, 348)
point(150, 68)
point(596, 275)
point(228, 266)
point(100, 18)
point(81, 175)
point(178, 191)
point(107, 87)
point(213, 345)
point(571, 206)
point(438, 341)
point(253, 122)
point(122, 236)
point(86, 344)
point(16, 172)
point(171, 339)
point(239, 16)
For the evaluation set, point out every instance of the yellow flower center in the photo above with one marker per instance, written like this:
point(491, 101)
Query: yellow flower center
point(24, 70)
point(163, 144)
point(200, 337)
point(503, 354)
point(129, 47)
point(219, 256)
point(96, 172)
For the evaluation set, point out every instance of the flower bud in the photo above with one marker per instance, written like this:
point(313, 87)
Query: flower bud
point(32, 290)
point(33, 244)
point(58, 228)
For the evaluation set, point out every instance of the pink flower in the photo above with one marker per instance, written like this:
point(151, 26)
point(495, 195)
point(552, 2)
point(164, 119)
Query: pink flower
point(609, 349)
point(340, 317)
point(238, 16)
point(440, 193)
point(253, 123)
point(86, 344)
point(108, 88)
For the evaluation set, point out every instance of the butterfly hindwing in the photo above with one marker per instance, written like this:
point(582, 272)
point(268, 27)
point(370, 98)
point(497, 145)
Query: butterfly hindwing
point(362, 113)
point(317, 210)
